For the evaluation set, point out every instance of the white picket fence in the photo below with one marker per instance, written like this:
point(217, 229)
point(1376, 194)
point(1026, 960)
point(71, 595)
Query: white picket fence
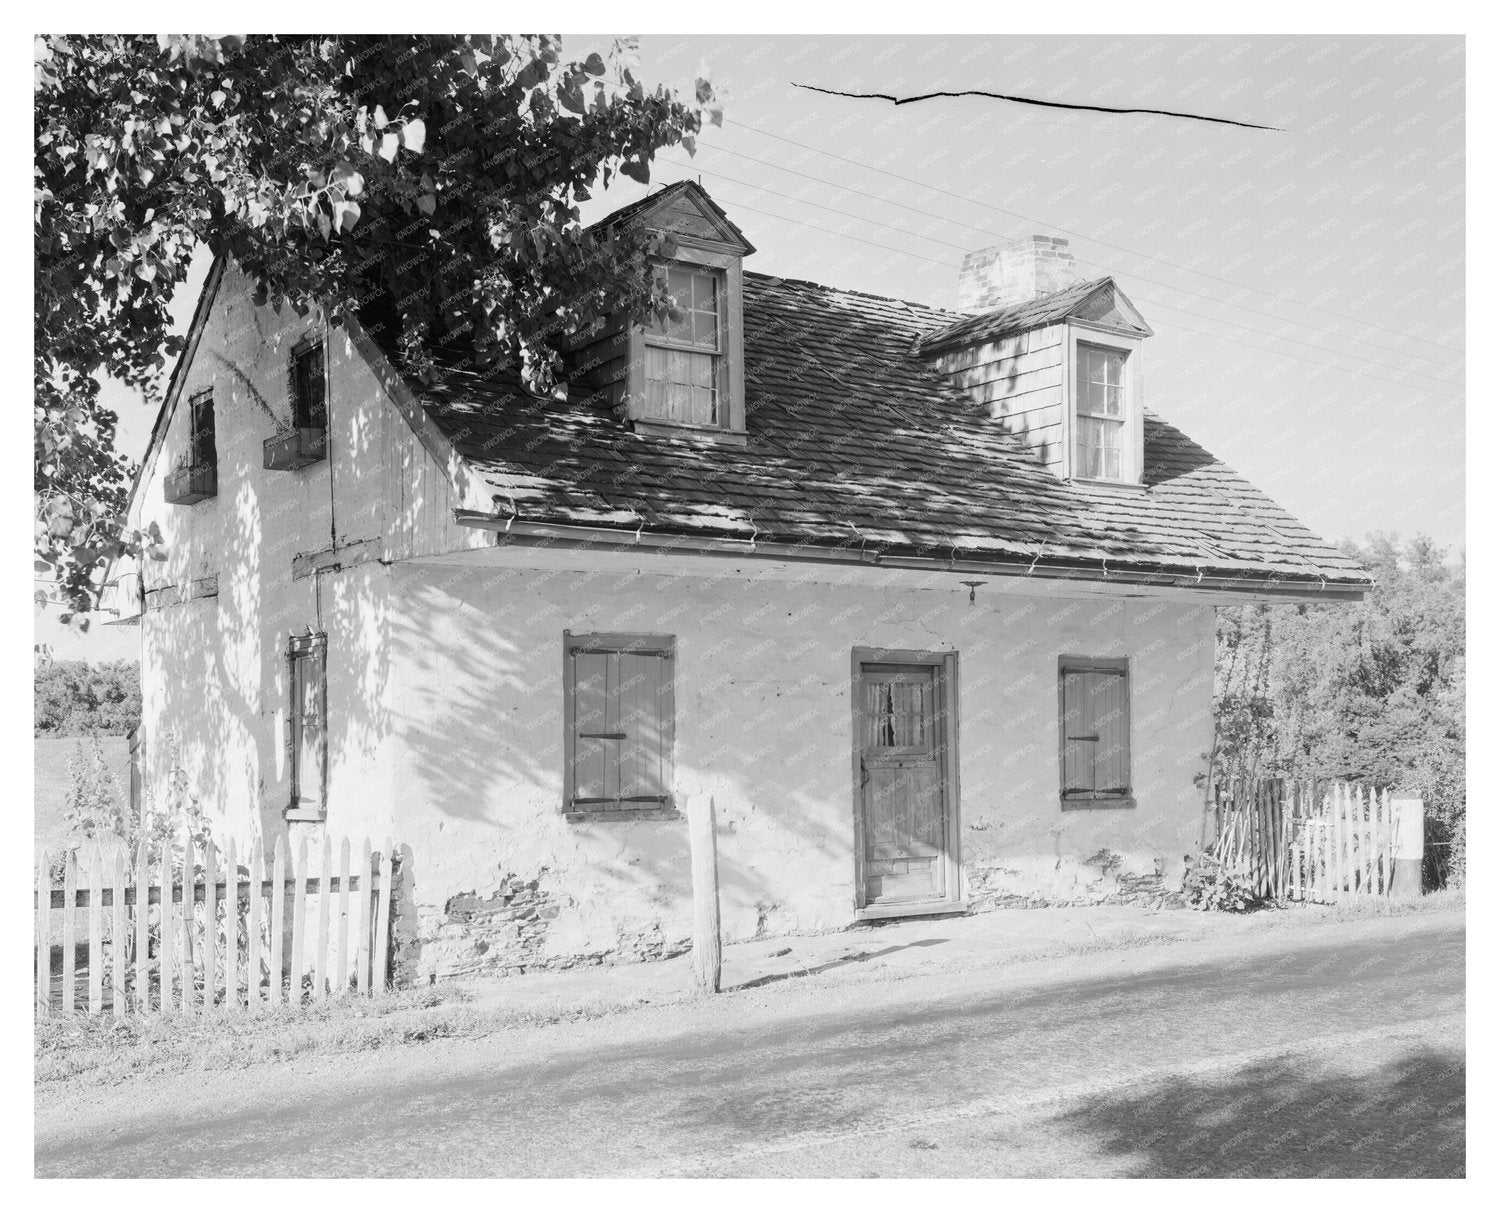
point(1317, 841)
point(125, 935)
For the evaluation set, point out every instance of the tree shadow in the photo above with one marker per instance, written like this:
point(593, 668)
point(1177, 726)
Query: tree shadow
point(1289, 1117)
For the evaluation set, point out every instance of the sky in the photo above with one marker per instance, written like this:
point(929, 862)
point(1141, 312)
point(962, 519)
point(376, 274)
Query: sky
point(1306, 284)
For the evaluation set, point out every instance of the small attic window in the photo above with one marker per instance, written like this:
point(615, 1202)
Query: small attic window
point(685, 357)
point(1103, 427)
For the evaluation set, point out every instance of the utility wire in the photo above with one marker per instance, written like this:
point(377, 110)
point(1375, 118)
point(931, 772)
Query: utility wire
point(1194, 296)
point(1097, 240)
point(1260, 349)
point(1145, 298)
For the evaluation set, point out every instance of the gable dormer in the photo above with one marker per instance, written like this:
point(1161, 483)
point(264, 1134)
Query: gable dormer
point(683, 377)
point(1057, 361)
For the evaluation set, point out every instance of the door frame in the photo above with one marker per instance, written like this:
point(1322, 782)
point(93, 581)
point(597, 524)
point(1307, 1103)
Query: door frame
point(944, 664)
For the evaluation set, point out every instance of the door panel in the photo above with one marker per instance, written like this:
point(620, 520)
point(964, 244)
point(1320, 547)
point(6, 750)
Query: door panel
point(902, 794)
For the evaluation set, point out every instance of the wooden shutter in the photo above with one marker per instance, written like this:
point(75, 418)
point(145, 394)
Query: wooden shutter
point(1078, 737)
point(204, 444)
point(309, 722)
point(620, 722)
point(1111, 775)
point(1094, 728)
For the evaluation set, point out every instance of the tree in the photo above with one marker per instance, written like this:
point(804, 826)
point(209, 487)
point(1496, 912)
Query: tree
point(78, 699)
point(439, 173)
point(1371, 692)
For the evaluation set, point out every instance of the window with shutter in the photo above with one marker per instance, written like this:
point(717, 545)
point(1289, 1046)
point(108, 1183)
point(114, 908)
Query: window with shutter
point(618, 724)
point(1094, 729)
point(307, 739)
point(309, 388)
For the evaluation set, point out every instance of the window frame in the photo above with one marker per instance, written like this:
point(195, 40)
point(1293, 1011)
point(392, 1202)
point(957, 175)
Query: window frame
point(1132, 454)
point(308, 345)
point(310, 646)
point(699, 253)
point(1074, 663)
point(201, 404)
point(661, 341)
point(663, 808)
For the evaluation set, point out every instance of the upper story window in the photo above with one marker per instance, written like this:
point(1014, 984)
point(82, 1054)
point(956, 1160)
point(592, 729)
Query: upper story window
point(684, 357)
point(196, 476)
point(309, 389)
point(204, 448)
point(1100, 401)
point(305, 442)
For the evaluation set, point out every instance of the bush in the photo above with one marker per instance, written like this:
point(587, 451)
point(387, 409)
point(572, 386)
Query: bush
point(1210, 885)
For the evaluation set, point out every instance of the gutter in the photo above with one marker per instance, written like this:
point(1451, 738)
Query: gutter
point(569, 535)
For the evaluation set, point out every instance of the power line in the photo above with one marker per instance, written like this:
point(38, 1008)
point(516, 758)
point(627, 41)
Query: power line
point(1194, 296)
point(1097, 240)
point(1260, 349)
point(1156, 302)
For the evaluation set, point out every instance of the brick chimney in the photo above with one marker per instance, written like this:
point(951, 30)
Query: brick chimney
point(1015, 272)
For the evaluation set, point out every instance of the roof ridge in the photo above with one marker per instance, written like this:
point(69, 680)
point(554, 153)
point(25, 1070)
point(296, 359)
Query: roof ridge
point(847, 290)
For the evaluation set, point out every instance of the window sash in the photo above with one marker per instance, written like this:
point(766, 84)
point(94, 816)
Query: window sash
point(683, 367)
point(1100, 409)
point(682, 385)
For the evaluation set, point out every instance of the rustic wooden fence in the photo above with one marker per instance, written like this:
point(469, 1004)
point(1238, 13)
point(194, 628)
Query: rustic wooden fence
point(1318, 841)
point(127, 935)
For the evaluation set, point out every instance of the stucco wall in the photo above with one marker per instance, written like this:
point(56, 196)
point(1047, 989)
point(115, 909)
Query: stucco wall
point(763, 725)
point(230, 592)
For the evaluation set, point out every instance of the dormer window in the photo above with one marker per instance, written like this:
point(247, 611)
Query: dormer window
point(1104, 425)
point(1100, 397)
point(685, 365)
point(683, 377)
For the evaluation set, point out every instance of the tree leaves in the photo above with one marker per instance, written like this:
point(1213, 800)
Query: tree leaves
point(293, 156)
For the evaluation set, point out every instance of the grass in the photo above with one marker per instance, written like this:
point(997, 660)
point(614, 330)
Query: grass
point(87, 1049)
point(100, 1049)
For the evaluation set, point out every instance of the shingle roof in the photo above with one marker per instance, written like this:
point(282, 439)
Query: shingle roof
point(1047, 309)
point(852, 436)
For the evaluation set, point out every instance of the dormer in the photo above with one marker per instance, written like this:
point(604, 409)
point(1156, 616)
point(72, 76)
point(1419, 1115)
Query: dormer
point(1056, 360)
point(682, 378)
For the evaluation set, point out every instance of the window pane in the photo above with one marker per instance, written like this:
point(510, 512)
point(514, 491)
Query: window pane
point(681, 385)
point(1101, 380)
point(696, 295)
point(1100, 449)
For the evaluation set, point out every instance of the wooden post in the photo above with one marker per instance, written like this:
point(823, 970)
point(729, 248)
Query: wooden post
point(94, 855)
point(278, 921)
point(1406, 851)
point(69, 933)
point(707, 946)
point(231, 927)
point(252, 928)
point(210, 927)
point(43, 936)
point(142, 877)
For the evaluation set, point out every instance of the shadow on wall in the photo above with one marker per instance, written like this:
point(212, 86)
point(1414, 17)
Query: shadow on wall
point(480, 714)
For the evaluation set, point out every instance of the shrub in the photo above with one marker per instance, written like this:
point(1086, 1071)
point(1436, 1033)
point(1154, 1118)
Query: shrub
point(1210, 885)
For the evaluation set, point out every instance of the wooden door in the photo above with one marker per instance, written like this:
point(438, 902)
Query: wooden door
point(903, 795)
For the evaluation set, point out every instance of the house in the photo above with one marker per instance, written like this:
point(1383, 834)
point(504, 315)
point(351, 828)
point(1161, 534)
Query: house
point(923, 599)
